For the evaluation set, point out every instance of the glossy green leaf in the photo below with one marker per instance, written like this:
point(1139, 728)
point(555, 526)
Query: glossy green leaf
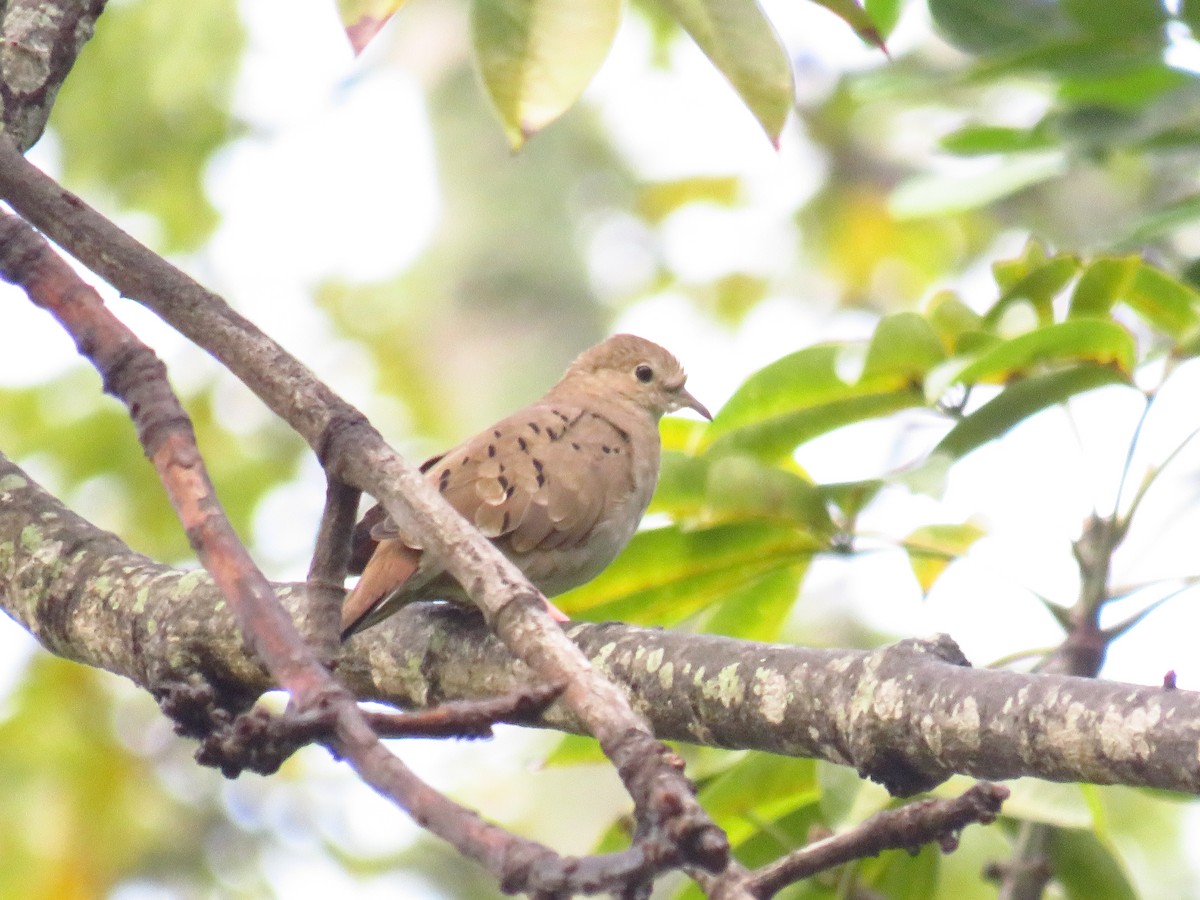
point(884, 13)
point(756, 610)
point(537, 56)
point(668, 574)
point(740, 42)
point(796, 399)
point(1102, 284)
point(745, 487)
point(682, 479)
point(931, 548)
point(1167, 304)
point(903, 348)
point(1086, 868)
point(362, 19)
point(858, 18)
point(1079, 340)
point(1021, 400)
point(717, 489)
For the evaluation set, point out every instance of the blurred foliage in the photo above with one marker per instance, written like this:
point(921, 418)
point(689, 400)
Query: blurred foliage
point(138, 126)
point(1065, 127)
point(78, 811)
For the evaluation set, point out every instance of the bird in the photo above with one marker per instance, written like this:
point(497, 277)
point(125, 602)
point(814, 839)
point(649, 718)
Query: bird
point(559, 486)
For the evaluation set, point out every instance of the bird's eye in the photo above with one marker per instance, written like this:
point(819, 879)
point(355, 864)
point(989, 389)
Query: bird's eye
point(644, 373)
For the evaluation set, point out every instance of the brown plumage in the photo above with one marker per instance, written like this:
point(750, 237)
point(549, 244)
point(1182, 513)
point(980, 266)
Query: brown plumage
point(559, 486)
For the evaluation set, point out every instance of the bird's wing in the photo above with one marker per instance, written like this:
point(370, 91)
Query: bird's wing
point(540, 479)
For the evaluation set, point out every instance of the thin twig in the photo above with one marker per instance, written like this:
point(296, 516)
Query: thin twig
point(906, 828)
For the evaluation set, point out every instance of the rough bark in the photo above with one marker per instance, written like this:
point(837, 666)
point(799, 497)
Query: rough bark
point(908, 715)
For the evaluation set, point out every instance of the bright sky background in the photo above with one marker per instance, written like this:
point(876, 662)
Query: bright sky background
point(309, 103)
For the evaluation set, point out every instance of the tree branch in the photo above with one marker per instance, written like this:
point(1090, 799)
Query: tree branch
point(41, 42)
point(88, 597)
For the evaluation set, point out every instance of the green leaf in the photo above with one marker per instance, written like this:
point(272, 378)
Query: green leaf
point(987, 28)
point(1078, 340)
point(682, 479)
point(575, 750)
point(736, 36)
point(757, 610)
point(729, 488)
point(1118, 20)
point(1133, 88)
point(1021, 400)
point(797, 398)
point(1031, 281)
point(668, 574)
point(931, 548)
point(537, 56)
point(1189, 14)
point(362, 19)
point(978, 140)
point(1166, 303)
point(1102, 284)
point(900, 875)
point(952, 319)
point(1087, 868)
point(745, 487)
point(903, 348)
point(850, 497)
point(1009, 272)
point(884, 13)
point(759, 788)
point(858, 18)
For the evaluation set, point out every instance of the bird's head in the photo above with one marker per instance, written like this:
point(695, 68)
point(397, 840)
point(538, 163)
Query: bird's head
point(639, 370)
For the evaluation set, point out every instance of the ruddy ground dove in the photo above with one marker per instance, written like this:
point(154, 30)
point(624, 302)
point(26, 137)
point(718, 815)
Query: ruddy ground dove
point(559, 486)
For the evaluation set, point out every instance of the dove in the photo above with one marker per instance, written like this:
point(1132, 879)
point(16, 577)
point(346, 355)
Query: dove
point(559, 487)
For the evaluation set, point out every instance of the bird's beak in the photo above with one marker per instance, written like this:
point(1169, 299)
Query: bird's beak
point(686, 399)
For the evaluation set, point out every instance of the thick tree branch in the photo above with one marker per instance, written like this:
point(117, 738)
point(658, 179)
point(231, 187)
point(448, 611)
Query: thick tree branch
point(40, 43)
point(88, 597)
